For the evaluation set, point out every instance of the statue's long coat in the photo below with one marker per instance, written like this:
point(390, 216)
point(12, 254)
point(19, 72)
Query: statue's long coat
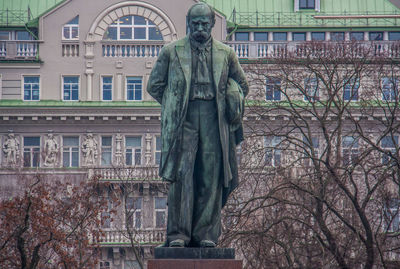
point(169, 84)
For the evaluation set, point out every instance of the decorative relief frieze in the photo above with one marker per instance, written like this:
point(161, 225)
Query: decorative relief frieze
point(90, 150)
point(51, 150)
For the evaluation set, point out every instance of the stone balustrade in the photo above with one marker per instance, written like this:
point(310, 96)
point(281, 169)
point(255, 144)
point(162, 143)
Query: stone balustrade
point(293, 49)
point(125, 173)
point(154, 236)
point(130, 49)
point(18, 49)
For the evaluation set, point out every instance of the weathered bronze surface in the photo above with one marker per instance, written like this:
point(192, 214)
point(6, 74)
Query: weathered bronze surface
point(201, 87)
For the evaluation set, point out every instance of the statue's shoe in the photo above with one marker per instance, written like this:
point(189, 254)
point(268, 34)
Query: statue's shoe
point(207, 244)
point(178, 243)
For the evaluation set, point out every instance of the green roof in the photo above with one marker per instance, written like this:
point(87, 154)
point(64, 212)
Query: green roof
point(280, 13)
point(20, 12)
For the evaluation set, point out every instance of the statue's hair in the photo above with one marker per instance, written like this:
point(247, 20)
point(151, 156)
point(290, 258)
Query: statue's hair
point(212, 12)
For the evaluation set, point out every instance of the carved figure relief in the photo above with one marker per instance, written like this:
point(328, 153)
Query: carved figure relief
point(89, 150)
point(51, 149)
point(11, 150)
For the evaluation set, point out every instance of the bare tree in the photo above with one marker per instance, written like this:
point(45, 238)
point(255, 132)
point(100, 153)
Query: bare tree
point(320, 166)
point(50, 225)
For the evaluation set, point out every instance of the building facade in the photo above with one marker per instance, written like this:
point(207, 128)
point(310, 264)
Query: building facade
point(73, 76)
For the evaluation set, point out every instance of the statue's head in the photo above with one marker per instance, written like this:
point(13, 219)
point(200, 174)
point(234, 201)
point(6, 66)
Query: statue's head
point(201, 20)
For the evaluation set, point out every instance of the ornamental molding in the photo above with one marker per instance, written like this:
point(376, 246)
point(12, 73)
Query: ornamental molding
point(114, 12)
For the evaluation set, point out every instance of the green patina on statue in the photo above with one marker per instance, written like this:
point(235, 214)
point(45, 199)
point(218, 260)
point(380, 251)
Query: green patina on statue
point(201, 87)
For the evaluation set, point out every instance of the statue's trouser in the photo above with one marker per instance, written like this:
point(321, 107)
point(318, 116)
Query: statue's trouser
point(195, 199)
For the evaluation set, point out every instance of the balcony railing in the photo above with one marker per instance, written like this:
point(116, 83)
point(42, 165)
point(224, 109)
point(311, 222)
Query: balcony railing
point(130, 49)
point(254, 50)
point(154, 236)
point(125, 173)
point(18, 49)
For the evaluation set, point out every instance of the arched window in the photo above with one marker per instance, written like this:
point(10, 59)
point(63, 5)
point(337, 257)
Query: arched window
point(132, 27)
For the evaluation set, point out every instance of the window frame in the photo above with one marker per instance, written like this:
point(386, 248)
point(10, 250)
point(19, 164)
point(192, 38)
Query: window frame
point(393, 91)
point(134, 26)
point(275, 89)
point(102, 87)
point(32, 152)
point(354, 91)
point(79, 87)
point(70, 26)
point(271, 150)
point(133, 152)
point(102, 148)
point(23, 76)
point(126, 88)
point(162, 210)
point(70, 151)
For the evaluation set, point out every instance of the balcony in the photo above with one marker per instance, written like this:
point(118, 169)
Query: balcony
point(117, 237)
point(129, 49)
point(19, 50)
point(292, 49)
point(121, 174)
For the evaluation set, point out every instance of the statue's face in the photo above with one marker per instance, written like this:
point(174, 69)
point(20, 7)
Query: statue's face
point(200, 23)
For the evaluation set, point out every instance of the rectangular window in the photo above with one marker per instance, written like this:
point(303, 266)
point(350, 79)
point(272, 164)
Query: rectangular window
point(31, 88)
point(70, 88)
point(273, 89)
point(394, 36)
point(349, 150)
point(299, 36)
point(311, 89)
point(31, 151)
point(272, 151)
point(375, 36)
point(389, 144)
point(71, 29)
point(389, 89)
point(157, 151)
point(133, 88)
point(350, 89)
point(311, 149)
point(160, 208)
point(133, 150)
point(392, 215)
point(357, 36)
point(134, 212)
point(70, 151)
point(106, 215)
point(337, 36)
point(5, 35)
point(106, 150)
point(307, 4)
point(106, 87)
point(241, 36)
point(23, 35)
point(261, 36)
point(279, 36)
point(318, 36)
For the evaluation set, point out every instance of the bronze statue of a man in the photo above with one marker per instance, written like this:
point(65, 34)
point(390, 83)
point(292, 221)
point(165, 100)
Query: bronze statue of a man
point(200, 85)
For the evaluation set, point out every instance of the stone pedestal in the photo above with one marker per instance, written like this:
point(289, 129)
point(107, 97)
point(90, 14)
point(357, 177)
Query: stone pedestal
point(194, 258)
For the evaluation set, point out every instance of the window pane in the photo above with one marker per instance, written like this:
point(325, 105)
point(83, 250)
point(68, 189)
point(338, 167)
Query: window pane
point(23, 35)
point(140, 33)
point(155, 34)
point(139, 20)
point(31, 141)
point(106, 141)
point(66, 32)
point(260, 36)
point(127, 20)
point(106, 158)
point(160, 219)
point(241, 36)
point(160, 202)
point(357, 36)
point(393, 36)
point(318, 36)
point(4, 35)
point(107, 79)
point(299, 36)
point(71, 79)
point(71, 141)
point(74, 33)
point(280, 36)
point(337, 36)
point(158, 143)
point(135, 141)
point(125, 33)
point(376, 36)
point(75, 159)
point(111, 33)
